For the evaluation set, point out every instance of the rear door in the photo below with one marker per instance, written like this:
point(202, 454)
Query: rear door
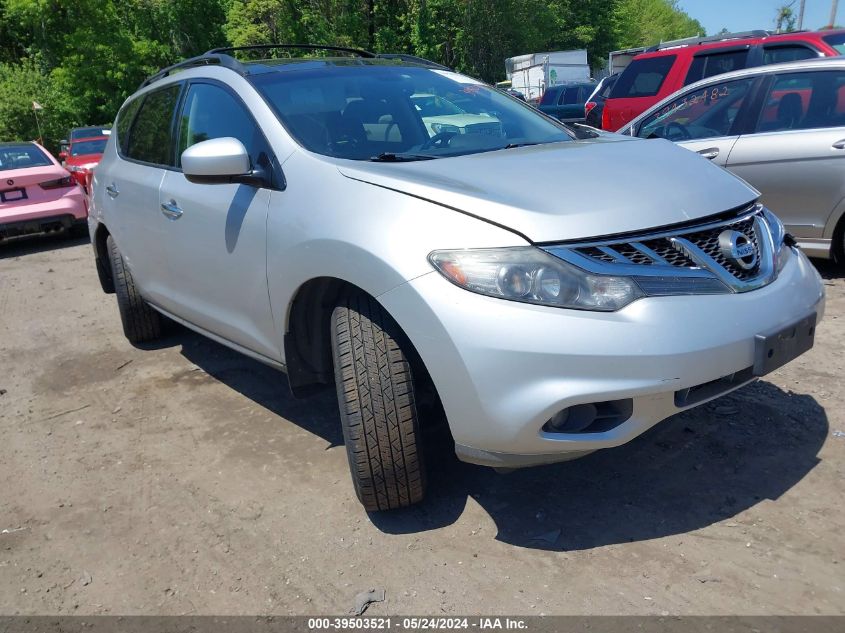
point(128, 187)
point(796, 153)
point(216, 242)
point(704, 120)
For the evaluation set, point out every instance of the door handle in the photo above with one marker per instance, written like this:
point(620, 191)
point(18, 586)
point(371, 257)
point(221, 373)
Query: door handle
point(839, 144)
point(112, 191)
point(710, 153)
point(171, 210)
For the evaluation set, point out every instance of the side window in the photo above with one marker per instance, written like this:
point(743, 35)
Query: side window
point(705, 113)
point(149, 138)
point(805, 100)
point(643, 77)
point(124, 120)
point(211, 112)
point(791, 53)
point(704, 66)
point(570, 95)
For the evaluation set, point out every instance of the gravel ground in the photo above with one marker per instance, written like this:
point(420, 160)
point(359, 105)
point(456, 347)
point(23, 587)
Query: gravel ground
point(183, 479)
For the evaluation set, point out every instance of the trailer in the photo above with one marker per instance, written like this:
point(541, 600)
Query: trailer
point(531, 74)
point(617, 61)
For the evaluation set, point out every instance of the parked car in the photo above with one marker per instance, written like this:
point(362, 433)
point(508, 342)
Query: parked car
point(565, 102)
point(82, 156)
point(666, 68)
point(83, 132)
point(37, 195)
point(426, 276)
point(782, 129)
point(441, 116)
point(594, 107)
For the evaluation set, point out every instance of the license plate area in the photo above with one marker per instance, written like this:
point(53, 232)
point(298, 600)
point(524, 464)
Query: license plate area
point(774, 349)
point(12, 195)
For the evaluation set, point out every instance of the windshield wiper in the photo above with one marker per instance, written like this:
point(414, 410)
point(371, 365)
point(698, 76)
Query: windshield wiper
point(389, 157)
point(515, 145)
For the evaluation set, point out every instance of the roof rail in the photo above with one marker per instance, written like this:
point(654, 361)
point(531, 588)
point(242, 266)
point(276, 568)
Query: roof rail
point(317, 47)
point(696, 41)
point(206, 59)
point(405, 57)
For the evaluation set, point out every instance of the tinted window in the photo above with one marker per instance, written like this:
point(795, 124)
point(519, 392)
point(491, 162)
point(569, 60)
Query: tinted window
point(571, 95)
point(704, 66)
point(86, 132)
point(21, 157)
point(124, 120)
point(778, 54)
point(550, 96)
point(330, 109)
point(211, 112)
point(149, 138)
point(705, 113)
point(607, 86)
point(643, 77)
point(80, 148)
point(800, 101)
point(836, 41)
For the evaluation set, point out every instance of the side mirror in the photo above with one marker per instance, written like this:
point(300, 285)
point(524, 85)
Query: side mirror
point(218, 161)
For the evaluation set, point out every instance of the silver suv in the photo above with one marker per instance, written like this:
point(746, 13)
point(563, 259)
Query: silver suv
point(550, 295)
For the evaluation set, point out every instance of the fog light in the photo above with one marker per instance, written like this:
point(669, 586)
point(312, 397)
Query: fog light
point(574, 419)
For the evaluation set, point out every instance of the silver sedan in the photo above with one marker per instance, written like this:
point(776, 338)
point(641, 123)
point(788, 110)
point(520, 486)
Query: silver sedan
point(782, 129)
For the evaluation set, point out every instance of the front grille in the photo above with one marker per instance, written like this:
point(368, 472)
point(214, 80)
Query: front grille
point(690, 255)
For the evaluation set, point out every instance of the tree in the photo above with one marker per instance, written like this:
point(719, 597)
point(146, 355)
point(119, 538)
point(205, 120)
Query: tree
point(646, 22)
point(785, 20)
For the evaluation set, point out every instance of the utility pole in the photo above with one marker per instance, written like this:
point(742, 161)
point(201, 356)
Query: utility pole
point(834, 6)
point(801, 16)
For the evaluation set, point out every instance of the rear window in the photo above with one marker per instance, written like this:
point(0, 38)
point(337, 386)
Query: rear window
point(21, 157)
point(704, 66)
point(607, 87)
point(643, 77)
point(80, 148)
point(792, 53)
point(86, 132)
point(836, 41)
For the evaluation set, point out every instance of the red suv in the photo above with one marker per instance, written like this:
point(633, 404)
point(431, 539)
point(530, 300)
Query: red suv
point(668, 67)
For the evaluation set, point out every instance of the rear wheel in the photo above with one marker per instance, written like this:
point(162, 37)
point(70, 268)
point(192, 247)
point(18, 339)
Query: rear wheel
point(140, 322)
point(375, 390)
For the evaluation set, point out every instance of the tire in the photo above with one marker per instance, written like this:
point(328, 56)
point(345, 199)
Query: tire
point(140, 322)
point(375, 392)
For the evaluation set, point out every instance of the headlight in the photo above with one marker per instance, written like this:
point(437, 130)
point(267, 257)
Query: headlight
point(440, 128)
point(529, 275)
point(782, 250)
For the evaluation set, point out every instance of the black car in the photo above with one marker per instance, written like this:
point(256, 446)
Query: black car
point(594, 107)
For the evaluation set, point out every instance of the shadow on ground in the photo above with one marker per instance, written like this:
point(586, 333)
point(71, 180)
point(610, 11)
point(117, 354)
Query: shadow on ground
point(697, 468)
point(20, 247)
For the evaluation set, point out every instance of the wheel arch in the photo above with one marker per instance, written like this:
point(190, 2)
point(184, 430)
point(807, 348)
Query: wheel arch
point(101, 258)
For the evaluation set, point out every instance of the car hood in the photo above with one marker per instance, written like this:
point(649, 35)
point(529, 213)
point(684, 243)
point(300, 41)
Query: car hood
point(570, 190)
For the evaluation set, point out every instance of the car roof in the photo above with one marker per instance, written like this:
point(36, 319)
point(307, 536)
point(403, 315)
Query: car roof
point(693, 47)
point(16, 143)
point(815, 63)
point(99, 137)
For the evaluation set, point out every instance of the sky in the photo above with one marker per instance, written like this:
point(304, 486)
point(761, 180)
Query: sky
point(746, 15)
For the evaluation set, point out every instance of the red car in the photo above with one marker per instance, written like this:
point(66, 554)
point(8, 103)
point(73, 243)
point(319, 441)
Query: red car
point(82, 156)
point(668, 67)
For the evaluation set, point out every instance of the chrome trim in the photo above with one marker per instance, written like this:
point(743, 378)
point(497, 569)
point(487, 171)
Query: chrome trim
point(704, 265)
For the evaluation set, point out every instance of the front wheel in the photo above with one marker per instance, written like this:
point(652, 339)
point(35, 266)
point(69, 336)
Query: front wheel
point(375, 392)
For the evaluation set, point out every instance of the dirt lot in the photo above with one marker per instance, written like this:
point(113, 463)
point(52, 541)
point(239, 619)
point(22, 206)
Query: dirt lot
point(183, 478)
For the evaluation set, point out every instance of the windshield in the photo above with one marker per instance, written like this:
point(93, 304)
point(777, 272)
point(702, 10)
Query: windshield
point(836, 41)
point(96, 146)
point(364, 112)
point(21, 157)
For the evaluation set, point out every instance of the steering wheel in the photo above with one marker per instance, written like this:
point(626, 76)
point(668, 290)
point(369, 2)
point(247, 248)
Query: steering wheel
point(438, 141)
point(683, 133)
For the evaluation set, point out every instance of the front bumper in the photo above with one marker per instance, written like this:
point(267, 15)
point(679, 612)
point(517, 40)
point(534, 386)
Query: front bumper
point(503, 369)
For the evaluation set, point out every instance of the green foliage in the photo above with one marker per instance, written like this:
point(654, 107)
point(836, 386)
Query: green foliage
point(81, 58)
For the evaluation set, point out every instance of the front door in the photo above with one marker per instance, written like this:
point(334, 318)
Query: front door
point(796, 155)
point(216, 236)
